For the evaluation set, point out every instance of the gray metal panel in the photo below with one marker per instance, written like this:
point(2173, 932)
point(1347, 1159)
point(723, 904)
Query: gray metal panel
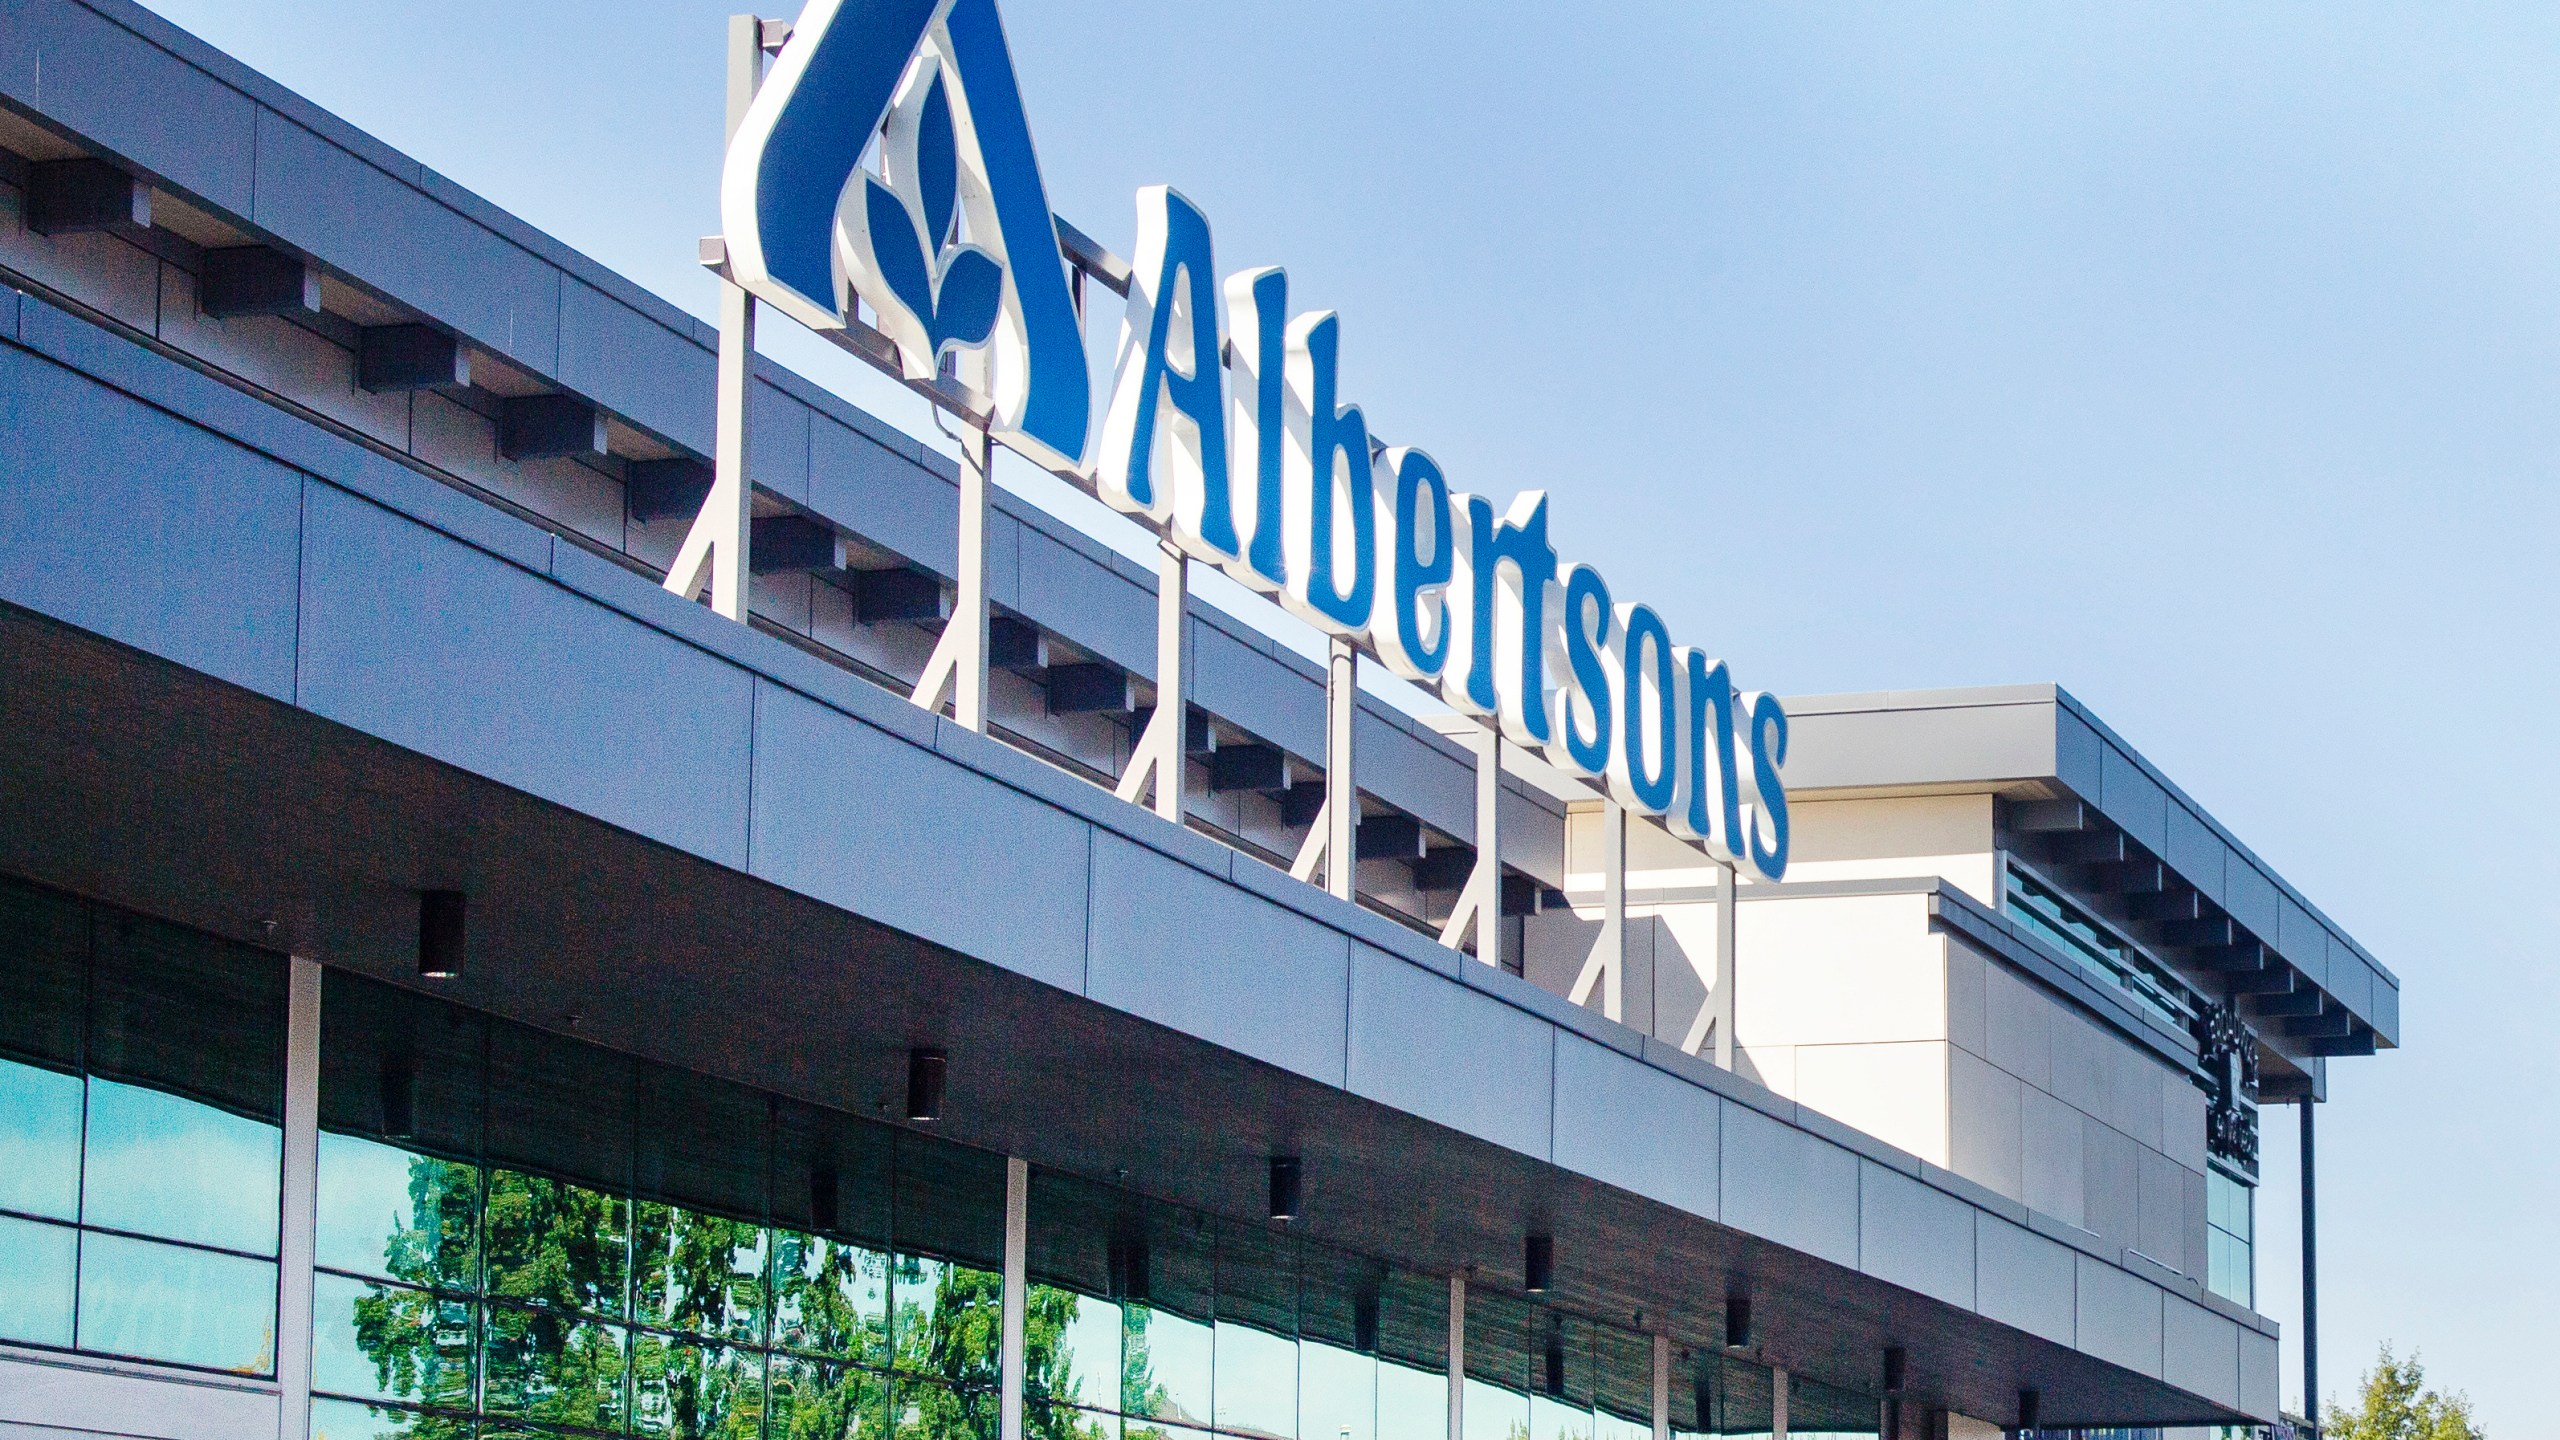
point(80, 1399)
point(2133, 799)
point(882, 496)
point(2077, 753)
point(2200, 1351)
point(2386, 1005)
point(868, 822)
point(1451, 1055)
point(1830, 750)
point(2259, 1376)
point(1272, 984)
point(635, 366)
point(1795, 1188)
point(778, 442)
point(458, 655)
point(1629, 1124)
point(1914, 1235)
point(2025, 1280)
point(1232, 679)
point(393, 237)
point(2119, 1316)
point(2251, 898)
point(2195, 852)
point(133, 97)
point(1092, 605)
point(2349, 978)
point(2302, 938)
point(135, 524)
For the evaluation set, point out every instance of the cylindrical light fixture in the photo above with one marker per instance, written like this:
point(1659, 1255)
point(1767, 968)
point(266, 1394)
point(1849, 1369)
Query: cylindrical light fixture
point(1737, 1321)
point(1287, 1186)
point(2030, 1409)
point(1539, 1263)
point(440, 934)
point(925, 1070)
point(1895, 1362)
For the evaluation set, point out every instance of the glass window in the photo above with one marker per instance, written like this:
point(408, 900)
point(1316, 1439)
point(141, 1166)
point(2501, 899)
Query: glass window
point(162, 1165)
point(1071, 1348)
point(830, 1298)
point(39, 1141)
point(700, 1274)
point(947, 1320)
point(2230, 1258)
point(1816, 1411)
point(924, 1410)
point(37, 1265)
point(553, 1368)
point(351, 1420)
point(1255, 1363)
point(1062, 1422)
point(387, 1342)
point(44, 962)
point(169, 1302)
point(393, 1213)
point(555, 1244)
point(173, 1010)
point(816, 1400)
point(681, 1390)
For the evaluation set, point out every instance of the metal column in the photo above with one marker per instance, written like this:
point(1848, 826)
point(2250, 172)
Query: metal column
point(1333, 841)
point(1017, 1247)
point(2310, 1278)
point(1457, 1357)
point(1479, 906)
point(301, 1195)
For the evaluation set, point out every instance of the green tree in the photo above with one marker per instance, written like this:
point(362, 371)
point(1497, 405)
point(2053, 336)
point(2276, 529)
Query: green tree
point(2397, 1405)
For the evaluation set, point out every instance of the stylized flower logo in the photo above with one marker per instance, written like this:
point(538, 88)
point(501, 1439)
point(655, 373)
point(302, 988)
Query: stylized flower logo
point(911, 223)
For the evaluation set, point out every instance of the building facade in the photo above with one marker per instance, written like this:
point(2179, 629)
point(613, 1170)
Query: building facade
point(455, 987)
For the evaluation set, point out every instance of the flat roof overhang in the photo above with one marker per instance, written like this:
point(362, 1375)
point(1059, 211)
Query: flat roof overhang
point(688, 840)
point(2037, 743)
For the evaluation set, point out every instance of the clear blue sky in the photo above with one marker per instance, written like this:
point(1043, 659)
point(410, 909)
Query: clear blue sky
point(2203, 359)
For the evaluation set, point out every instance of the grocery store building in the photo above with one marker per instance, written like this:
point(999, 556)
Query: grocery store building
point(451, 985)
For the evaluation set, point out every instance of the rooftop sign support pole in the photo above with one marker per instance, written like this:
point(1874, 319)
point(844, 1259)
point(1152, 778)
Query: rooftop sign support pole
point(1715, 1016)
point(958, 668)
point(1606, 969)
point(1480, 905)
point(1341, 819)
point(1728, 919)
point(716, 547)
point(1333, 837)
point(1155, 762)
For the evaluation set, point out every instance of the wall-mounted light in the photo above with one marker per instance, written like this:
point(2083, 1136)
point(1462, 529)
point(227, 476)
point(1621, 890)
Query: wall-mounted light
point(1539, 1263)
point(925, 1073)
point(2030, 1409)
point(1287, 1187)
point(1555, 1356)
point(440, 934)
point(1737, 1321)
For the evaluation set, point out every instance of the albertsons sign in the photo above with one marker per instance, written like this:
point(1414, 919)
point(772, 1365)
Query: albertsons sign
point(887, 160)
